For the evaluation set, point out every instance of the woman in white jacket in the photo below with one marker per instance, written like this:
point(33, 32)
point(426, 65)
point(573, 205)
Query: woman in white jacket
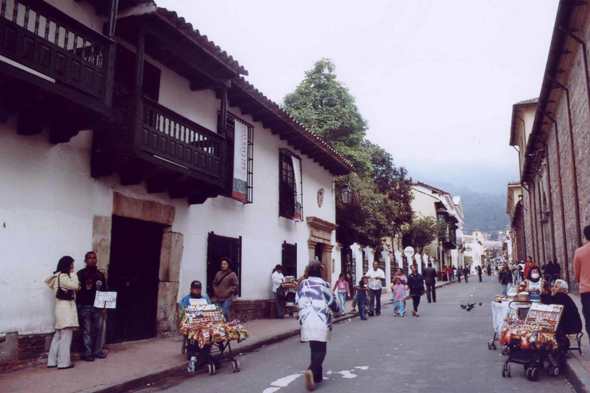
point(315, 300)
point(66, 314)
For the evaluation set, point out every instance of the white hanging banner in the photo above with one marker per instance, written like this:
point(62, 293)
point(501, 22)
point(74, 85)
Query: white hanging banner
point(299, 197)
point(240, 183)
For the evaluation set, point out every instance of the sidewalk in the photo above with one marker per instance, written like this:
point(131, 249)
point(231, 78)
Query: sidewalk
point(578, 366)
point(133, 364)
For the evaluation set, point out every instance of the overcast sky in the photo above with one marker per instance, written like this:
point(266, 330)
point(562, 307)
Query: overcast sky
point(435, 79)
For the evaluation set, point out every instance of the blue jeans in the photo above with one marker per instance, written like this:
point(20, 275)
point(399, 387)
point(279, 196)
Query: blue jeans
point(90, 324)
point(354, 301)
point(398, 306)
point(362, 303)
point(342, 298)
point(504, 290)
point(279, 312)
point(225, 308)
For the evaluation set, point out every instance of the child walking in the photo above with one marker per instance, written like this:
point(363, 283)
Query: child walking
point(341, 289)
point(361, 296)
point(398, 296)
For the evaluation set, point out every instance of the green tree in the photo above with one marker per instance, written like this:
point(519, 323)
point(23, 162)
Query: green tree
point(381, 192)
point(325, 106)
point(420, 233)
point(394, 184)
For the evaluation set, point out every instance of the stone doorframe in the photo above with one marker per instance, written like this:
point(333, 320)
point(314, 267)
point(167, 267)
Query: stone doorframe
point(170, 254)
point(320, 231)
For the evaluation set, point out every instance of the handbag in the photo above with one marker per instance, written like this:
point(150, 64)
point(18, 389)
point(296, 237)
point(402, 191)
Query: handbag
point(63, 295)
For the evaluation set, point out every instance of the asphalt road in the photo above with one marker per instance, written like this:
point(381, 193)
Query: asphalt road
point(444, 350)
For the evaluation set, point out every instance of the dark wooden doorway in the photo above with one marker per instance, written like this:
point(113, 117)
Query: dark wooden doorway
point(217, 248)
point(134, 275)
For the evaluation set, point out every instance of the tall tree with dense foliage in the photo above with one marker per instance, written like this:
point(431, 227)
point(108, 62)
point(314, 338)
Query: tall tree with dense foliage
point(381, 192)
point(324, 106)
point(422, 232)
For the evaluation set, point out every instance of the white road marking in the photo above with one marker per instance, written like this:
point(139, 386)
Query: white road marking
point(362, 367)
point(347, 374)
point(285, 381)
point(270, 390)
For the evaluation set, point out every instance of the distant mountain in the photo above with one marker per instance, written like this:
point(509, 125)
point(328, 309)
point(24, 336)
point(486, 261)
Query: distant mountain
point(486, 212)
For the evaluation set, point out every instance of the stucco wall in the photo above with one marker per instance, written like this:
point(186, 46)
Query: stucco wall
point(82, 11)
point(49, 202)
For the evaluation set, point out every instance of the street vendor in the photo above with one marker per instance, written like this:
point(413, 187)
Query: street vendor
point(195, 293)
point(536, 286)
point(571, 323)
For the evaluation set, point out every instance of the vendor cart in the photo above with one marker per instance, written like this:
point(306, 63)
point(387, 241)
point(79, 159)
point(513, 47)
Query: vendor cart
point(506, 313)
point(535, 342)
point(288, 290)
point(215, 355)
point(210, 336)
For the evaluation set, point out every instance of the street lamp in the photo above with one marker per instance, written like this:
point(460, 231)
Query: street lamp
point(345, 193)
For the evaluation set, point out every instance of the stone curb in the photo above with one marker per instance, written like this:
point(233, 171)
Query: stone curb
point(577, 375)
point(164, 372)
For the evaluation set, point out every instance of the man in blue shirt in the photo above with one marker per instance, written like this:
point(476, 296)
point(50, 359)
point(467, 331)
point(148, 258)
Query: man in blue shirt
point(195, 293)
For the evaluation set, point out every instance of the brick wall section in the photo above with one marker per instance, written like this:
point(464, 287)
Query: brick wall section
point(247, 310)
point(580, 122)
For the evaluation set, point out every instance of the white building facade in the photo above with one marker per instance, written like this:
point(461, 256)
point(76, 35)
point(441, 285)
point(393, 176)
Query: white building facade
point(175, 161)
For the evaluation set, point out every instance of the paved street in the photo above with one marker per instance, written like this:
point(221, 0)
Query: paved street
point(444, 350)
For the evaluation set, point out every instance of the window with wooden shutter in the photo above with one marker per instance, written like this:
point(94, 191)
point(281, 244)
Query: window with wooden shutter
point(290, 185)
point(289, 259)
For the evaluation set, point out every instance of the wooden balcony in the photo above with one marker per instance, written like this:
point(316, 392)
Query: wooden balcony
point(52, 68)
point(170, 152)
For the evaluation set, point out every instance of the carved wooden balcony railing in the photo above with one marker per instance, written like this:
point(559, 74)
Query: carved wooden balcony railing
point(40, 37)
point(148, 141)
point(169, 136)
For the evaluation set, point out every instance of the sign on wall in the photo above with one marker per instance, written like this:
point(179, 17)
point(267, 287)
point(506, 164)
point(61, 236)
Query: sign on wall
point(240, 183)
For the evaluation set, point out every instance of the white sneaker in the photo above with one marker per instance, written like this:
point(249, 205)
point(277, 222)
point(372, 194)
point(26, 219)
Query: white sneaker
point(309, 383)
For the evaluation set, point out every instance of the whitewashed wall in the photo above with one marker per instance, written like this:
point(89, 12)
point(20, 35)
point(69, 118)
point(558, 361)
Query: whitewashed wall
point(48, 201)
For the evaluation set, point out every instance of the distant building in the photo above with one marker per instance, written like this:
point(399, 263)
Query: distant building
point(448, 249)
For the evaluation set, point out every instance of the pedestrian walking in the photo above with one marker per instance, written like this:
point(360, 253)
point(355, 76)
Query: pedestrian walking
point(527, 266)
point(342, 290)
point(547, 271)
point(315, 299)
point(459, 274)
point(430, 280)
point(64, 285)
point(505, 278)
point(91, 318)
point(582, 273)
point(277, 279)
point(225, 286)
point(445, 271)
point(398, 296)
point(479, 272)
point(452, 273)
point(555, 272)
point(375, 286)
point(361, 296)
point(416, 284)
point(466, 272)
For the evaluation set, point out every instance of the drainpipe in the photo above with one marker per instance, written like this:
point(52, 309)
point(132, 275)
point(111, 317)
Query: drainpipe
point(531, 221)
point(572, 159)
point(585, 55)
point(113, 17)
point(553, 253)
point(540, 247)
point(562, 211)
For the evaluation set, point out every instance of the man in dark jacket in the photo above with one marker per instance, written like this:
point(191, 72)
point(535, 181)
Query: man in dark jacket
point(505, 278)
point(91, 318)
point(479, 272)
point(466, 273)
point(430, 281)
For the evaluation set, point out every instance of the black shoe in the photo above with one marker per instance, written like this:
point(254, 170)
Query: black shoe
point(65, 368)
point(100, 355)
point(88, 358)
point(434, 301)
point(378, 313)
